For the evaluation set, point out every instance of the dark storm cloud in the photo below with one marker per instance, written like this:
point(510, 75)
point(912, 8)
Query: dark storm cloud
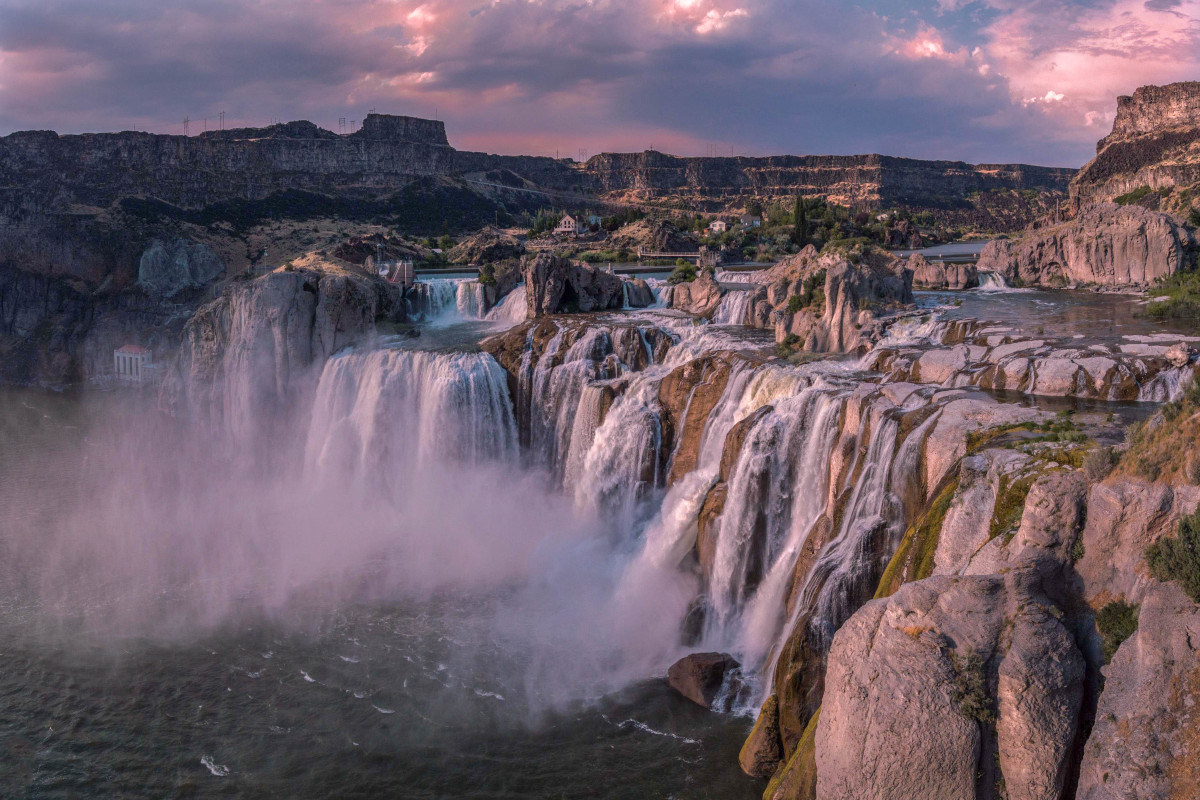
point(978, 80)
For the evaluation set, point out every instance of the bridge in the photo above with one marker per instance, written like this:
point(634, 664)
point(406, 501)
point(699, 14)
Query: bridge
point(703, 257)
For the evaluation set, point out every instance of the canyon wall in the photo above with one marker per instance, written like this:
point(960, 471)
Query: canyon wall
point(1154, 145)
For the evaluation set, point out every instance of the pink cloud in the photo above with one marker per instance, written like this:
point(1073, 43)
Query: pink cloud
point(1071, 62)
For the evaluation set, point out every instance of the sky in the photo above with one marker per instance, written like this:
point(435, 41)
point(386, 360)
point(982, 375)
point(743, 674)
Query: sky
point(979, 80)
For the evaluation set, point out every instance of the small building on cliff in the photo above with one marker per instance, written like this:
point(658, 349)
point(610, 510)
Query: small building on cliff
point(132, 365)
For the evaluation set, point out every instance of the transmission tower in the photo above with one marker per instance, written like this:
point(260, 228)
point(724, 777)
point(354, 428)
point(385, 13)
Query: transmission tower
point(185, 125)
point(342, 126)
point(222, 120)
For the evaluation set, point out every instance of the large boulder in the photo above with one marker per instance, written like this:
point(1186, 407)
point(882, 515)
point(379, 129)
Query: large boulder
point(638, 293)
point(1105, 245)
point(556, 285)
point(712, 680)
point(935, 275)
point(700, 297)
point(168, 268)
point(947, 682)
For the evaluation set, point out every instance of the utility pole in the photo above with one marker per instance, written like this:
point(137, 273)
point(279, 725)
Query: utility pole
point(222, 120)
point(185, 126)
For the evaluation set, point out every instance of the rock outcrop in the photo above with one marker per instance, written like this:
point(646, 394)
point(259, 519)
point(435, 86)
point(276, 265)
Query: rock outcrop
point(556, 285)
point(700, 297)
point(252, 356)
point(949, 684)
point(656, 235)
point(1152, 146)
point(488, 245)
point(638, 293)
point(1145, 743)
point(711, 680)
point(853, 309)
point(935, 275)
point(168, 268)
point(1105, 245)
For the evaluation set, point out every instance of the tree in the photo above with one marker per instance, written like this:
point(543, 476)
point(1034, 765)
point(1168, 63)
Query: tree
point(800, 217)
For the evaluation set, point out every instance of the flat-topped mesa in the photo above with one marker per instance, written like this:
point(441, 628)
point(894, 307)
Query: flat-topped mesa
point(405, 129)
point(858, 180)
point(1155, 108)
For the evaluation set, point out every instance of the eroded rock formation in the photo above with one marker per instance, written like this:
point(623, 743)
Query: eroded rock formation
point(556, 285)
point(1105, 245)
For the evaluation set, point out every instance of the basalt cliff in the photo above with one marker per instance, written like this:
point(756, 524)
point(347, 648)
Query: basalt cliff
point(1131, 204)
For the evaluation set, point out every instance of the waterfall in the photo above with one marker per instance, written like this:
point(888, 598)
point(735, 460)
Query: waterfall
point(814, 417)
point(511, 310)
point(729, 276)
point(872, 510)
point(993, 282)
point(388, 412)
point(432, 300)
point(469, 299)
point(734, 308)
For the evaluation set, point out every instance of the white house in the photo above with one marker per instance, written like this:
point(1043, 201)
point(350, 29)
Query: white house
point(569, 224)
point(718, 226)
point(750, 221)
point(131, 362)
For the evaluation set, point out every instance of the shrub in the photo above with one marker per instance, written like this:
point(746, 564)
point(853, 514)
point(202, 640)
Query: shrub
point(1010, 504)
point(1178, 558)
point(969, 691)
point(1116, 622)
point(487, 275)
point(1098, 463)
point(1132, 197)
point(684, 273)
point(1180, 295)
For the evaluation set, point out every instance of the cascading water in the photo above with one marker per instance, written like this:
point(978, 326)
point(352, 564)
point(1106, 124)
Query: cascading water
point(432, 300)
point(993, 282)
point(469, 300)
point(734, 308)
point(388, 412)
point(511, 309)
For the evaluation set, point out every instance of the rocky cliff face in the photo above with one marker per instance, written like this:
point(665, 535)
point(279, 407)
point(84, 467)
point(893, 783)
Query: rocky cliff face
point(1154, 144)
point(555, 285)
point(1105, 245)
point(869, 181)
point(933, 275)
point(250, 358)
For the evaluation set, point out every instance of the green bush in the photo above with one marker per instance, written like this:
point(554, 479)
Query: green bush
point(684, 273)
point(1132, 197)
point(1181, 297)
point(1178, 558)
point(969, 692)
point(1116, 622)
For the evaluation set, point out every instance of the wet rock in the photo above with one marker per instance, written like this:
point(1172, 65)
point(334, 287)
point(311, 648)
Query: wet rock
point(555, 285)
point(932, 275)
point(638, 293)
point(168, 268)
point(711, 680)
point(1105, 245)
point(700, 297)
point(762, 752)
point(916, 681)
